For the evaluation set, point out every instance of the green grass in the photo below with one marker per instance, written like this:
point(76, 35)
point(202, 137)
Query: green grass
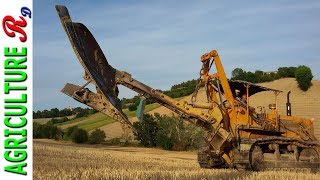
point(73, 121)
point(147, 108)
point(90, 125)
point(91, 118)
point(91, 122)
point(97, 120)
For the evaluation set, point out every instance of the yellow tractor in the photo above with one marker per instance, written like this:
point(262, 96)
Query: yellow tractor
point(237, 135)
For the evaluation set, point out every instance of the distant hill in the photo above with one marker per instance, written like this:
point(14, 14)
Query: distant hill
point(304, 103)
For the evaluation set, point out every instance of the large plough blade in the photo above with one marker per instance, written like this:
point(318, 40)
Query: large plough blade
point(97, 69)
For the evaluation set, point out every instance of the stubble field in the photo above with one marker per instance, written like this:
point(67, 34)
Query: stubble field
point(65, 160)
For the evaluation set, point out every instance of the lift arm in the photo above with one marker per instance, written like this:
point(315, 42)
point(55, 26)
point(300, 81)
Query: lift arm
point(106, 78)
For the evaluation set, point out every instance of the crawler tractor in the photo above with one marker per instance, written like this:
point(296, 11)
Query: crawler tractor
point(237, 136)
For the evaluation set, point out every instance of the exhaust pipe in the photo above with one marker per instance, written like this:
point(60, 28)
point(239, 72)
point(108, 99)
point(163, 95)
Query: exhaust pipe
point(288, 104)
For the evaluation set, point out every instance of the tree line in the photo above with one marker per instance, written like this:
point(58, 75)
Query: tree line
point(302, 74)
point(55, 112)
point(73, 134)
point(176, 91)
point(169, 133)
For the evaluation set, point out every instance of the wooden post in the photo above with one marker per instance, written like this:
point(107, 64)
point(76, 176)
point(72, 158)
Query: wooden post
point(276, 110)
point(248, 115)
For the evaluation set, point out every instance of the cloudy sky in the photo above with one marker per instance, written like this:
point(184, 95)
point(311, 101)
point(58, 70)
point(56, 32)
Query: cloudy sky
point(160, 42)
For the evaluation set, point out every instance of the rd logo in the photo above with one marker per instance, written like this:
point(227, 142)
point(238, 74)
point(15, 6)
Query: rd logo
point(11, 26)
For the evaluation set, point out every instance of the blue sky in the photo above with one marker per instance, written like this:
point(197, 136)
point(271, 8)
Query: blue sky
point(160, 42)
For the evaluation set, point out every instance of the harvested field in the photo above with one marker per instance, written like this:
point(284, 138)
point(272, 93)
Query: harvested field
point(65, 160)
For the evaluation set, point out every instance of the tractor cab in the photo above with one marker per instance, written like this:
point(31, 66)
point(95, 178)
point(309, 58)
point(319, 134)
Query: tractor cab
point(243, 90)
